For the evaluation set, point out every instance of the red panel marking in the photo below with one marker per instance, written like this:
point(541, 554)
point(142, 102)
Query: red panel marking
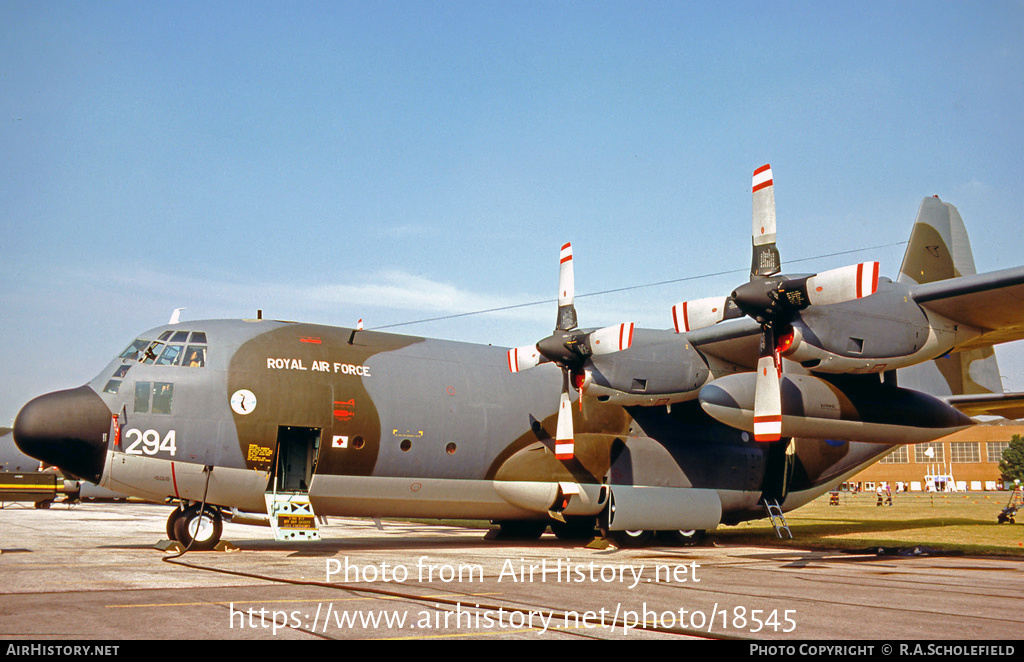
point(174, 481)
point(343, 410)
point(315, 341)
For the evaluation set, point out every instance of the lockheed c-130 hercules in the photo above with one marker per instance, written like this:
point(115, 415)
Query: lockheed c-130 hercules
point(771, 395)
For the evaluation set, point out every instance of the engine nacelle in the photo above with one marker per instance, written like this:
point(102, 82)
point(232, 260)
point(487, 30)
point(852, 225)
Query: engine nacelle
point(854, 339)
point(660, 368)
point(818, 409)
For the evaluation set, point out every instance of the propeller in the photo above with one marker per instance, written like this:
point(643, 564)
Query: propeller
point(773, 301)
point(570, 348)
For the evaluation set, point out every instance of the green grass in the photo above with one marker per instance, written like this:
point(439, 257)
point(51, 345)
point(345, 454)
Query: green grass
point(951, 522)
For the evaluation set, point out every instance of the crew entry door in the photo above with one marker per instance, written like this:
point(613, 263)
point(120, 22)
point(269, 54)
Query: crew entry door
point(288, 506)
point(297, 451)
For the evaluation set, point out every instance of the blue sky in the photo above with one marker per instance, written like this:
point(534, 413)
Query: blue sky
point(399, 161)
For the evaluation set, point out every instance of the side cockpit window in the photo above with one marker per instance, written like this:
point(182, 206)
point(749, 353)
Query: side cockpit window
point(134, 350)
point(195, 356)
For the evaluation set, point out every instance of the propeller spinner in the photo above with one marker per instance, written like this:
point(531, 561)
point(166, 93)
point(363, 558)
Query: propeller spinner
point(570, 348)
point(773, 301)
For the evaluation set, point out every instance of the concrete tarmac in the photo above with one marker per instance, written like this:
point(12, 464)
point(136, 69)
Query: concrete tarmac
point(93, 572)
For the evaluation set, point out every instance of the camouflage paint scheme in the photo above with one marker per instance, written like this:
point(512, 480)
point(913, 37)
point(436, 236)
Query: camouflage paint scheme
point(409, 426)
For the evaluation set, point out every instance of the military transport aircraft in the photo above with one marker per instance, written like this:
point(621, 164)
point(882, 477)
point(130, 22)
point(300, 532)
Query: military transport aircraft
point(635, 430)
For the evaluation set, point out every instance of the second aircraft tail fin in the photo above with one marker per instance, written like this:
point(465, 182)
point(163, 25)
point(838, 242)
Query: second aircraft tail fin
point(939, 249)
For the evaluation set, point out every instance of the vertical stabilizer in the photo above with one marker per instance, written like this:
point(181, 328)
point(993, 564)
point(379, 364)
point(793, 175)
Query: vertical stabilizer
point(939, 249)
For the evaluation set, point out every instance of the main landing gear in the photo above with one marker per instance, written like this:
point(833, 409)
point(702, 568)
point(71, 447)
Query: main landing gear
point(578, 529)
point(197, 531)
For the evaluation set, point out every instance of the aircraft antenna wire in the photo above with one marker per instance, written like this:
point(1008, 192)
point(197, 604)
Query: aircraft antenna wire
point(628, 288)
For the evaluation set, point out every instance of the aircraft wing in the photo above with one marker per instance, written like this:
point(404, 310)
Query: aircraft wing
point(735, 341)
point(1007, 405)
point(992, 302)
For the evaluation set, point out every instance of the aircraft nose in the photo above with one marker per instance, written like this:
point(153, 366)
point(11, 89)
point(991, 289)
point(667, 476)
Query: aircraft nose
point(67, 429)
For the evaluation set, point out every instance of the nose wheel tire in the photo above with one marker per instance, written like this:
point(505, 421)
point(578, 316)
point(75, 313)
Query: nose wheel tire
point(172, 519)
point(200, 530)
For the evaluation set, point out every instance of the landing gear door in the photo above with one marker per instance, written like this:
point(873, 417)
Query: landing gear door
point(288, 506)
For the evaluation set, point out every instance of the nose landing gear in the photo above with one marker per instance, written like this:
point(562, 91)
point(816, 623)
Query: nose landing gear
point(196, 529)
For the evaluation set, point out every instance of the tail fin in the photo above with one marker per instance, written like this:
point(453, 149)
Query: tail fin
point(939, 249)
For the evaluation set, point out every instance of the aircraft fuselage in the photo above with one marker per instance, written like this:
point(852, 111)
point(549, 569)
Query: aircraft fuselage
point(376, 424)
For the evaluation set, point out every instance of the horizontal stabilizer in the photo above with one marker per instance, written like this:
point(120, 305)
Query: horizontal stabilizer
point(1007, 405)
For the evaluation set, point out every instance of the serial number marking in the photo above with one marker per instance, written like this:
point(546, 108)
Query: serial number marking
point(150, 442)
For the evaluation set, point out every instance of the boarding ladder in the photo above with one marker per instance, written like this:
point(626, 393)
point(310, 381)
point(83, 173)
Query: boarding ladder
point(774, 511)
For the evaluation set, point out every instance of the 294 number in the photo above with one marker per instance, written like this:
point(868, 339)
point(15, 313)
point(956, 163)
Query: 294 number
point(149, 442)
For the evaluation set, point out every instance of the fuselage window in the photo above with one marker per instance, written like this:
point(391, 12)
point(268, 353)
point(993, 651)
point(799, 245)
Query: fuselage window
point(161, 392)
point(142, 391)
point(112, 386)
point(166, 335)
point(180, 336)
point(199, 336)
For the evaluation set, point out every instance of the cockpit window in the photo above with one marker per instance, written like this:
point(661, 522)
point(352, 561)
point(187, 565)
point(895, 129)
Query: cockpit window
point(151, 352)
point(169, 350)
point(170, 355)
point(133, 350)
point(195, 357)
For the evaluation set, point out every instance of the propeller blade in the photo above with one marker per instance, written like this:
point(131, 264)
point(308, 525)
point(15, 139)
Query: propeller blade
point(765, 260)
point(767, 401)
point(698, 314)
point(843, 284)
point(566, 291)
point(564, 442)
point(612, 339)
point(524, 358)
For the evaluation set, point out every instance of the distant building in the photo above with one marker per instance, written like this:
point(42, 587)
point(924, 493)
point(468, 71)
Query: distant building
point(967, 461)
